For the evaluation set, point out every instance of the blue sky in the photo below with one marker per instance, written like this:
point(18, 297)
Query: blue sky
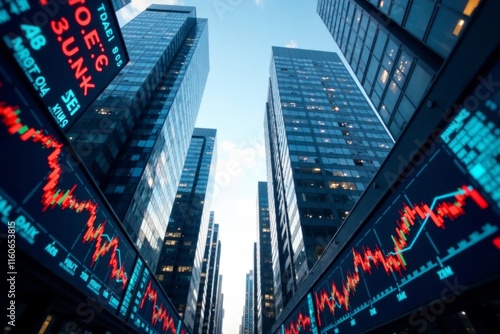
point(241, 34)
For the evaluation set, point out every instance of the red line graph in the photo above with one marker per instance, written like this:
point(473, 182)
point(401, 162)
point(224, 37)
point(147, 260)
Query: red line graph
point(159, 313)
point(301, 324)
point(52, 196)
point(394, 261)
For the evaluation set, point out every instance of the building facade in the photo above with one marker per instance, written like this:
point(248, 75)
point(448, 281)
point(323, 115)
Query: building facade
point(324, 143)
point(118, 4)
point(180, 265)
point(135, 137)
point(396, 47)
point(206, 323)
point(247, 326)
point(264, 285)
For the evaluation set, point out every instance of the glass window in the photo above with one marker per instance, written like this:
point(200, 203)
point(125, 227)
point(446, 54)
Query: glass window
point(384, 114)
point(406, 109)
point(398, 10)
point(465, 7)
point(419, 16)
point(392, 95)
point(372, 70)
point(383, 5)
point(380, 44)
point(419, 81)
point(392, 49)
point(445, 30)
point(370, 34)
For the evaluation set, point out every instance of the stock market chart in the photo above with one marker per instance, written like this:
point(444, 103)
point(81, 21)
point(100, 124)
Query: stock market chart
point(301, 320)
point(435, 236)
point(59, 218)
point(151, 312)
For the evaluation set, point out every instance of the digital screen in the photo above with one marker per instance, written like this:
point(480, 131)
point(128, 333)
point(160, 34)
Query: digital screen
point(69, 50)
point(151, 311)
point(302, 319)
point(435, 236)
point(58, 217)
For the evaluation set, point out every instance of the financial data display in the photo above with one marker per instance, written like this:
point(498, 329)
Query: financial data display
point(151, 311)
point(58, 217)
point(302, 319)
point(69, 50)
point(434, 237)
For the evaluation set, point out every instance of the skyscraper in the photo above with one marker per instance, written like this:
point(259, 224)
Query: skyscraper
point(118, 4)
point(396, 47)
point(212, 302)
point(324, 143)
point(135, 137)
point(264, 285)
point(180, 266)
point(247, 319)
point(202, 290)
point(219, 311)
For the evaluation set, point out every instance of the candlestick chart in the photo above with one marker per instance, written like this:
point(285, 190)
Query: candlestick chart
point(60, 219)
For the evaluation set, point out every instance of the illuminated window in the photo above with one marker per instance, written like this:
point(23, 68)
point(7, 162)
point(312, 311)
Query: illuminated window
point(458, 27)
point(184, 269)
point(171, 242)
point(45, 324)
point(167, 268)
point(383, 76)
point(471, 5)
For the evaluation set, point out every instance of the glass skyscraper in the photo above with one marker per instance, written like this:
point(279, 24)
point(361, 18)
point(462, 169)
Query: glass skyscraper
point(247, 325)
point(264, 285)
point(117, 4)
point(135, 137)
point(180, 266)
point(212, 302)
point(324, 144)
point(396, 47)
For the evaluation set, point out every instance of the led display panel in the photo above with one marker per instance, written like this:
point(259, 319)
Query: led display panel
point(59, 219)
point(69, 50)
point(301, 320)
point(151, 311)
point(436, 236)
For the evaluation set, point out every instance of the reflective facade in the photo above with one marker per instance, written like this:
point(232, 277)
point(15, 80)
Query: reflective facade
point(212, 303)
point(396, 47)
point(180, 266)
point(135, 137)
point(264, 285)
point(247, 325)
point(324, 143)
point(117, 4)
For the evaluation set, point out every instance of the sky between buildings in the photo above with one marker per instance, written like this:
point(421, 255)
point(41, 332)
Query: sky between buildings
point(241, 33)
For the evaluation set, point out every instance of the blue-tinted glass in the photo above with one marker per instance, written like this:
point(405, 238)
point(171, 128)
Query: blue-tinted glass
point(445, 30)
point(380, 44)
point(417, 85)
point(419, 16)
point(398, 10)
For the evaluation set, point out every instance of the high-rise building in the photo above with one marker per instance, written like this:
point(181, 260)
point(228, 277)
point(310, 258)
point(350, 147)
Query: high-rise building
point(118, 4)
point(135, 137)
point(264, 284)
point(219, 310)
point(324, 143)
point(180, 265)
point(396, 47)
point(211, 301)
point(202, 290)
point(247, 319)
